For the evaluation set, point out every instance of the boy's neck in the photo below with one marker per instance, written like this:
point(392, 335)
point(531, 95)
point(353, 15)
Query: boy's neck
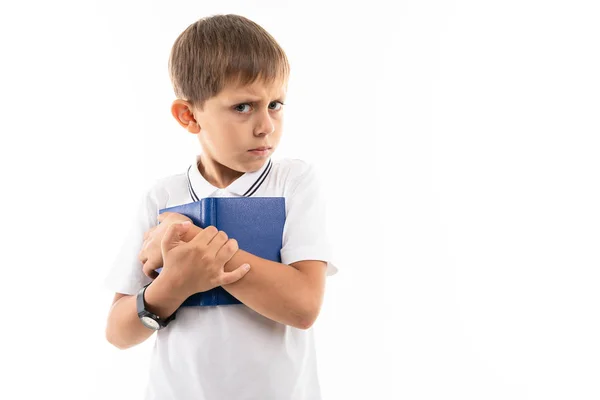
point(217, 174)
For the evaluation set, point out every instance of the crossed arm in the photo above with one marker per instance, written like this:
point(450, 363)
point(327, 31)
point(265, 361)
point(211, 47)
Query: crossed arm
point(289, 294)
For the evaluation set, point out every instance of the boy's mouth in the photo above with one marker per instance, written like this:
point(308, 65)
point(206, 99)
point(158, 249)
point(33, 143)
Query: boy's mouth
point(261, 148)
point(260, 151)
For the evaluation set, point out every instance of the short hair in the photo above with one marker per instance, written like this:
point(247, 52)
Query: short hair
point(219, 50)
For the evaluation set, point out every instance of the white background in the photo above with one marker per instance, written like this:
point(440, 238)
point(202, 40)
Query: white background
point(459, 143)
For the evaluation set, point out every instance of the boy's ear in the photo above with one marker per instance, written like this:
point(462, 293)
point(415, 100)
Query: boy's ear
point(182, 111)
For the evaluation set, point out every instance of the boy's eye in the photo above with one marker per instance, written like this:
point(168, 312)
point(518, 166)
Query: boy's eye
point(240, 107)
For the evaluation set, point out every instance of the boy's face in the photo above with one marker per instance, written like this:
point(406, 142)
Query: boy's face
point(236, 121)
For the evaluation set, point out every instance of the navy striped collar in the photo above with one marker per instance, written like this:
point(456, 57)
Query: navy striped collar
point(246, 185)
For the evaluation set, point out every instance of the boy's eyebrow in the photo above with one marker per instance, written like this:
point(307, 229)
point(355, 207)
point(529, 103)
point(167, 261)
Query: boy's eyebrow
point(250, 97)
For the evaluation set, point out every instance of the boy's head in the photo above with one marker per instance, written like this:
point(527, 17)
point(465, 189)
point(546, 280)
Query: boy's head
point(230, 78)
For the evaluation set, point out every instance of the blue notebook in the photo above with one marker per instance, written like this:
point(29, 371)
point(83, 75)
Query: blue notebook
point(255, 222)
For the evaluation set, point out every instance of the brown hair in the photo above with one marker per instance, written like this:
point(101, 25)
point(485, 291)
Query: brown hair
point(223, 49)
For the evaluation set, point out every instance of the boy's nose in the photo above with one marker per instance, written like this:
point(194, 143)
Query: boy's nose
point(264, 130)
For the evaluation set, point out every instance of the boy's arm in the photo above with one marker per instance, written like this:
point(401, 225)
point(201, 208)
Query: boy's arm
point(289, 294)
point(124, 328)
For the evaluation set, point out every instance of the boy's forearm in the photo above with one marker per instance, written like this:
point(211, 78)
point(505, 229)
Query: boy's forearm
point(277, 291)
point(124, 328)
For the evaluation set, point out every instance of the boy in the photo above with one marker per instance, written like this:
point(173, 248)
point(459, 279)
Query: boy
point(230, 78)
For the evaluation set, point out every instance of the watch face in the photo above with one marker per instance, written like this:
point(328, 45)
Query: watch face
point(150, 323)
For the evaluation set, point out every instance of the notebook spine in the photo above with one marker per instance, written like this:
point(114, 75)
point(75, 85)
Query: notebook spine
point(209, 217)
point(208, 209)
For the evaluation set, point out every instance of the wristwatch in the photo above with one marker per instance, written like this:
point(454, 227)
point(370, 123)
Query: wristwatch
point(150, 320)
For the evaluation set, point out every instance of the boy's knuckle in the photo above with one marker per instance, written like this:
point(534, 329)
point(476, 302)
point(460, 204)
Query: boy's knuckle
point(211, 230)
point(232, 244)
point(222, 235)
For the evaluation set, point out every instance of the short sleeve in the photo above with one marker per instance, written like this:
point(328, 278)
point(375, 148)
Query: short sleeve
point(125, 274)
point(305, 235)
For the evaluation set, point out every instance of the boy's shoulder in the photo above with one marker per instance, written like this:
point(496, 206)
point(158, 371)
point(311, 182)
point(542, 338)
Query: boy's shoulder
point(291, 169)
point(293, 173)
point(167, 186)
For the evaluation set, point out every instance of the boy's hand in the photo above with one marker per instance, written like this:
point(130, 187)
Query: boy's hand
point(150, 255)
point(198, 265)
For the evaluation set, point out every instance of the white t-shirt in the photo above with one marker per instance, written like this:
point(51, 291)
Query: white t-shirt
point(230, 351)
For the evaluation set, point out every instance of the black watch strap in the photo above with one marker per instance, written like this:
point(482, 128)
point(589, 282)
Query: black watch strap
point(148, 317)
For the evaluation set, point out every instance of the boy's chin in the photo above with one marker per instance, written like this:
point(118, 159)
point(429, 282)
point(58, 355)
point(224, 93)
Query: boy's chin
point(254, 163)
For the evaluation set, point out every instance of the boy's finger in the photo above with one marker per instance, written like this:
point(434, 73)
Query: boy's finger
point(149, 270)
point(235, 275)
point(147, 243)
point(204, 237)
point(142, 257)
point(227, 251)
point(163, 216)
point(217, 242)
point(148, 233)
point(173, 236)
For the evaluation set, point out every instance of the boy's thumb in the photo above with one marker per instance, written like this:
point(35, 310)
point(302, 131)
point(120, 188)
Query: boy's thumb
point(173, 234)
